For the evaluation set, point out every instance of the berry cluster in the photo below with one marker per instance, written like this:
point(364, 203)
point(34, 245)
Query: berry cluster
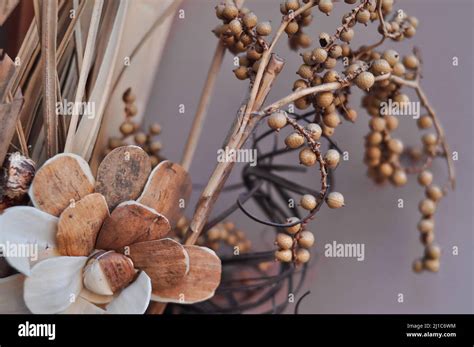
point(131, 133)
point(308, 156)
point(296, 37)
point(225, 233)
point(241, 32)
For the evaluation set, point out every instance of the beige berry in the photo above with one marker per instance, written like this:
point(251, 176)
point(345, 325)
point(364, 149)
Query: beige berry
point(332, 158)
point(324, 99)
point(380, 67)
point(284, 256)
point(365, 80)
point(302, 255)
point(425, 178)
point(325, 6)
point(426, 225)
point(399, 178)
point(264, 28)
point(308, 202)
point(431, 265)
point(319, 55)
point(425, 122)
point(294, 140)
point(335, 200)
point(284, 241)
point(377, 124)
point(314, 131)
point(306, 239)
point(155, 129)
point(434, 193)
point(307, 157)
point(427, 207)
point(411, 62)
point(277, 120)
point(250, 20)
point(395, 145)
point(391, 56)
point(241, 73)
point(295, 228)
point(127, 128)
point(432, 252)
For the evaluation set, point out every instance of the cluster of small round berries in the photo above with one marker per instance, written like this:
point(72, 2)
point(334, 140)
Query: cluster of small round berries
point(296, 235)
point(400, 26)
point(296, 37)
point(294, 244)
point(131, 133)
point(225, 233)
point(241, 32)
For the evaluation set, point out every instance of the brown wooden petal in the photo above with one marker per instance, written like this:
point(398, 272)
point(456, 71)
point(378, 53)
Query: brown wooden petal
point(79, 225)
point(164, 261)
point(199, 284)
point(168, 190)
point(122, 174)
point(129, 223)
point(64, 178)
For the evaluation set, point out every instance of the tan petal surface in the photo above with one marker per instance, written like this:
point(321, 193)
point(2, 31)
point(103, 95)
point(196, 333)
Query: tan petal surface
point(79, 225)
point(122, 174)
point(83, 306)
point(11, 295)
point(165, 261)
point(134, 299)
point(129, 223)
point(167, 191)
point(64, 178)
point(199, 284)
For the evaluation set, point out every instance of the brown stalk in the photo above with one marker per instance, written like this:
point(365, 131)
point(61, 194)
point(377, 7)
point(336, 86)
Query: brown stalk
point(48, 56)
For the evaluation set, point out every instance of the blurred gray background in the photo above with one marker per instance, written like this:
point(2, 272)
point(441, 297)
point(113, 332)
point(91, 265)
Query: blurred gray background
point(342, 285)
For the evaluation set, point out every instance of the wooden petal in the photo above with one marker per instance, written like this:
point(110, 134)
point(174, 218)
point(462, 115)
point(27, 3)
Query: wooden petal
point(31, 229)
point(64, 178)
point(165, 261)
point(79, 225)
point(53, 283)
point(134, 299)
point(129, 223)
point(168, 190)
point(122, 174)
point(199, 284)
point(11, 295)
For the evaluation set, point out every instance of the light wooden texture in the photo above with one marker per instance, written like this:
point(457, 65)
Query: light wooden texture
point(6, 8)
point(122, 175)
point(130, 223)
point(63, 179)
point(167, 191)
point(140, 18)
point(165, 261)
point(199, 284)
point(9, 115)
point(79, 225)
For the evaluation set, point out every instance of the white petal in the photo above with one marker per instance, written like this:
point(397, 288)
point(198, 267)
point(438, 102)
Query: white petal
point(95, 298)
point(82, 306)
point(54, 284)
point(11, 295)
point(134, 299)
point(25, 227)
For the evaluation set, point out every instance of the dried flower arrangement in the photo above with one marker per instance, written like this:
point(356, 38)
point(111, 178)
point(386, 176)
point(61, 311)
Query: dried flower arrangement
point(113, 243)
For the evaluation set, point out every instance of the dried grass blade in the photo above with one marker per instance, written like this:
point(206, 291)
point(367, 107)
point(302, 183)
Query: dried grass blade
point(48, 57)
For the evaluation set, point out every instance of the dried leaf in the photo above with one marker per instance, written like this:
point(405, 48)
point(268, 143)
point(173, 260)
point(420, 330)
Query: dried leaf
point(122, 174)
point(129, 223)
point(199, 284)
point(165, 261)
point(63, 179)
point(168, 190)
point(79, 225)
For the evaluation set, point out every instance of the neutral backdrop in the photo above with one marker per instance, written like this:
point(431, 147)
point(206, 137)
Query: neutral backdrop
point(371, 215)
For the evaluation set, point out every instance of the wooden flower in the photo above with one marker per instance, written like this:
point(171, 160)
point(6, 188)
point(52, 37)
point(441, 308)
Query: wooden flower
point(92, 261)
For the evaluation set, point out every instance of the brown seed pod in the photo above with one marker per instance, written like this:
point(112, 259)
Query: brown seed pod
point(363, 16)
point(319, 55)
point(127, 128)
point(350, 115)
point(325, 6)
point(391, 56)
point(432, 252)
point(307, 157)
point(241, 73)
point(377, 124)
point(347, 35)
point(230, 11)
point(411, 62)
point(292, 28)
point(434, 193)
point(431, 265)
point(425, 122)
point(395, 145)
point(399, 178)
point(285, 256)
point(332, 120)
point(305, 71)
point(426, 225)
point(335, 51)
point(140, 138)
point(235, 27)
point(386, 169)
point(155, 129)
point(380, 67)
point(129, 97)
